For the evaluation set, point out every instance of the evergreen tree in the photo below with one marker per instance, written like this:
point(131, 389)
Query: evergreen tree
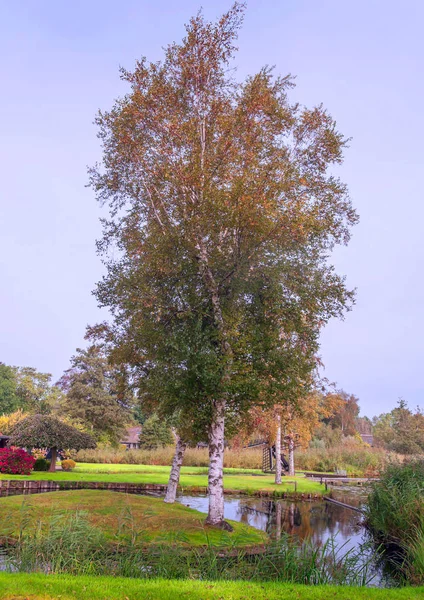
point(155, 433)
point(95, 396)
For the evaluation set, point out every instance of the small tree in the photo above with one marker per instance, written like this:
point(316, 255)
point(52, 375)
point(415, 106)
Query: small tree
point(42, 431)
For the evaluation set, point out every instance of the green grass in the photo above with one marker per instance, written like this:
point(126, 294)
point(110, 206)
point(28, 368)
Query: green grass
point(124, 468)
point(191, 477)
point(66, 587)
point(112, 512)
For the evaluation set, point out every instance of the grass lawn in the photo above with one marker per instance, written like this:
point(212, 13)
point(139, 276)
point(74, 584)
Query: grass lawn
point(191, 477)
point(67, 587)
point(111, 468)
point(109, 511)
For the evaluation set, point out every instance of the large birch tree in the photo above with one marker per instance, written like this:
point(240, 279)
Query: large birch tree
point(223, 214)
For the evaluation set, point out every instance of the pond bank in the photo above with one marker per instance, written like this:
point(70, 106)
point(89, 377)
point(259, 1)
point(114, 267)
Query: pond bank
point(9, 487)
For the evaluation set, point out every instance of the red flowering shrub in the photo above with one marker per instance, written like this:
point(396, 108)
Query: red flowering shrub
point(15, 461)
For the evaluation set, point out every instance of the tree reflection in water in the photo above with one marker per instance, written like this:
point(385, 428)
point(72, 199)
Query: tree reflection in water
point(316, 520)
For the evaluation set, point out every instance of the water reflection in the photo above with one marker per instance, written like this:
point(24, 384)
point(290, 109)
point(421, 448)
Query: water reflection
point(318, 520)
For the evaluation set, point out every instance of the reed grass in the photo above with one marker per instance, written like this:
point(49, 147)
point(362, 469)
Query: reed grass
point(395, 515)
point(355, 458)
point(71, 545)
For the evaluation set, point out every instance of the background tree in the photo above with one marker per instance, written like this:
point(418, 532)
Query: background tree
point(9, 398)
point(95, 396)
point(8, 421)
point(363, 425)
point(224, 211)
point(401, 430)
point(35, 391)
point(299, 421)
point(156, 433)
point(345, 417)
point(43, 431)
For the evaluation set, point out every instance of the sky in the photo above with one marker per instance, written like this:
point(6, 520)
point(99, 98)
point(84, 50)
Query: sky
point(363, 59)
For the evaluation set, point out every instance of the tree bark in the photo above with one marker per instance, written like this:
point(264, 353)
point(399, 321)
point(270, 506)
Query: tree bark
point(216, 465)
point(278, 450)
point(291, 455)
point(53, 460)
point(174, 476)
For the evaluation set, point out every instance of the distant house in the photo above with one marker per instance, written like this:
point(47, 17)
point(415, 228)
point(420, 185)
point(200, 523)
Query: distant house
point(368, 438)
point(3, 441)
point(132, 438)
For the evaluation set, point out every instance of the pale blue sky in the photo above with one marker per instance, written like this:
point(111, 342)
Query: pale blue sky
point(362, 58)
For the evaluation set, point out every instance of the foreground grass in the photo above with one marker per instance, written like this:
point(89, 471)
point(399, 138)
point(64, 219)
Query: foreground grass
point(191, 477)
point(64, 587)
point(111, 512)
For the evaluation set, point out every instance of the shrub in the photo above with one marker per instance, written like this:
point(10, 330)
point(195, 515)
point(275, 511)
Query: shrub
point(15, 461)
point(39, 452)
point(68, 464)
point(41, 464)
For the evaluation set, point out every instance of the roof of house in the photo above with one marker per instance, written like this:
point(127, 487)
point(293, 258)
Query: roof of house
point(132, 435)
point(368, 438)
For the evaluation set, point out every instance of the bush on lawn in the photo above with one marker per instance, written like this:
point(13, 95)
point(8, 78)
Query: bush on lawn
point(68, 464)
point(41, 464)
point(15, 461)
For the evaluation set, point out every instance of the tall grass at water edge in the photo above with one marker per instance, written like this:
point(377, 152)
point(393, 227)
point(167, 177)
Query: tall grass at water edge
point(70, 544)
point(355, 459)
point(395, 515)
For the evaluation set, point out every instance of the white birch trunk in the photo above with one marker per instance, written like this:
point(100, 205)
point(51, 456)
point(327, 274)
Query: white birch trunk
point(291, 455)
point(174, 476)
point(278, 450)
point(216, 466)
